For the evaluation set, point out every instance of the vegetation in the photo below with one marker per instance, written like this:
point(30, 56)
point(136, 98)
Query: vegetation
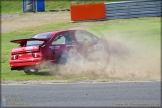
point(15, 6)
point(143, 31)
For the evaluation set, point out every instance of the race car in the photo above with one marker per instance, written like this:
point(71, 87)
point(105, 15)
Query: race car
point(58, 47)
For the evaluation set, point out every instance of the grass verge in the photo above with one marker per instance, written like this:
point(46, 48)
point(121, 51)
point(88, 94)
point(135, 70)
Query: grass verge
point(143, 31)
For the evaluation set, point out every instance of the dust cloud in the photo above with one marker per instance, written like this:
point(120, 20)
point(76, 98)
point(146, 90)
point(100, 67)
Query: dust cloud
point(142, 63)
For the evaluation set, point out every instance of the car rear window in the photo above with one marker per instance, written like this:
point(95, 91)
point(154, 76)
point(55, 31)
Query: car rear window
point(34, 43)
point(45, 35)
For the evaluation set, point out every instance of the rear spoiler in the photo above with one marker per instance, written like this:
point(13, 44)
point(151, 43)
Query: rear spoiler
point(19, 41)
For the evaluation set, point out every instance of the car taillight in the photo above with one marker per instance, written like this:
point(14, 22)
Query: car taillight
point(37, 54)
point(14, 57)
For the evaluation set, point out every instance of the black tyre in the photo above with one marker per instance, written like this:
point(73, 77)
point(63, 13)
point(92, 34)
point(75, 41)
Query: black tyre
point(62, 59)
point(30, 70)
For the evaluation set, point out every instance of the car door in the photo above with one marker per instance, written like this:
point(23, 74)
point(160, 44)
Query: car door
point(88, 44)
point(57, 45)
point(62, 43)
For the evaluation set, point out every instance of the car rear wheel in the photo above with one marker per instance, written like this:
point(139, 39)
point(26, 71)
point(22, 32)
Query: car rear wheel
point(30, 70)
point(62, 59)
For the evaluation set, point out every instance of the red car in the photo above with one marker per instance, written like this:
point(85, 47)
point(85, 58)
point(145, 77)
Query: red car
point(56, 47)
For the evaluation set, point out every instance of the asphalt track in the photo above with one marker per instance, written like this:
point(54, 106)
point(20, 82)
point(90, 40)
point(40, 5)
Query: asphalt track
point(107, 94)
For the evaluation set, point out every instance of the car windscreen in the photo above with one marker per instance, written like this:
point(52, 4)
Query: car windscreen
point(44, 35)
point(34, 43)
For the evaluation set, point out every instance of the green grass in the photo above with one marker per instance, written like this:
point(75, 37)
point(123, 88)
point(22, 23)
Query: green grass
point(15, 6)
point(143, 31)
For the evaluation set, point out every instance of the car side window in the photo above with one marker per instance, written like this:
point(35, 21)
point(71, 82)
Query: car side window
point(64, 38)
point(60, 39)
point(69, 38)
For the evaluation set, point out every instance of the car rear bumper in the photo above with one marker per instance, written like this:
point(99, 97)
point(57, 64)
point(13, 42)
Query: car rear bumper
point(17, 68)
point(19, 64)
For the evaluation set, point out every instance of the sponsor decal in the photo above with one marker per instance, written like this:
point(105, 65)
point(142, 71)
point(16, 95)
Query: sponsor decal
point(54, 47)
point(99, 47)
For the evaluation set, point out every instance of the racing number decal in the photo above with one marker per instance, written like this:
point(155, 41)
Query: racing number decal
point(99, 47)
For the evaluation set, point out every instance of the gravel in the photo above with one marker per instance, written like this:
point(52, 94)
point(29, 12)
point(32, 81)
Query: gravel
point(13, 22)
point(9, 16)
